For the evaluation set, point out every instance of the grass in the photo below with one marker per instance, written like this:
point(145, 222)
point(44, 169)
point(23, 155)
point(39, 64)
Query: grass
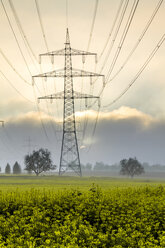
point(26, 182)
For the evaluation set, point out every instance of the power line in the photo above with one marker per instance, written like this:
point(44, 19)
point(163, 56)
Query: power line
point(22, 32)
point(14, 34)
point(27, 44)
point(39, 112)
point(139, 72)
point(115, 34)
point(113, 41)
point(139, 39)
point(13, 68)
point(94, 129)
point(41, 24)
point(93, 23)
point(88, 46)
point(123, 37)
point(25, 63)
point(47, 48)
point(110, 49)
point(112, 28)
point(11, 84)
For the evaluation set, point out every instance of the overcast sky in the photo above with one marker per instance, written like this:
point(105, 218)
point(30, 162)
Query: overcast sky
point(133, 126)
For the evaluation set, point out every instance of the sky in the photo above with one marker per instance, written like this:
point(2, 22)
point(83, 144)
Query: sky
point(133, 126)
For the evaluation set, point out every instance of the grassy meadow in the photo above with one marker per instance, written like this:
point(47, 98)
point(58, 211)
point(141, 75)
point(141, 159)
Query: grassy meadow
point(56, 183)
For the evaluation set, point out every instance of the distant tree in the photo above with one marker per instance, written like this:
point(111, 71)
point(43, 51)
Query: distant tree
point(99, 166)
point(39, 161)
point(88, 166)
point(16, 168)
point(7, 169)
point(0, 169)
point(131, 167)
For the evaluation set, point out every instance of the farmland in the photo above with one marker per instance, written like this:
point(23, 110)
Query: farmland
point(51, 211)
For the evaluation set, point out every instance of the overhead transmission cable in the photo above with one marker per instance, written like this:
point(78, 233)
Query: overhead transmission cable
point(115, 34)
point(47, 48)
point(93, 23)
point(139, 72)
point(145, 64)
point(24, 37)
point(123, 37)
point(13, 68)
point(109, 51)
point(17, 42)
point(139, 39)
point(11, 84)
point(144, 31)
point(29, 48)
point(88, 46)
point(94, 129)
point(21, 29)
point(41, 24)
point(116, 31)
point(111, 30)
point(14, 34)
point(19, 47)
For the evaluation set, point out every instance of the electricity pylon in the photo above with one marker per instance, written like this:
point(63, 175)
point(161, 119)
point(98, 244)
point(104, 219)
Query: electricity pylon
point(70, 158)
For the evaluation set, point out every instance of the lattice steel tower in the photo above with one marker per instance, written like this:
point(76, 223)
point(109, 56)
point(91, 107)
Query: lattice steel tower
point(70, 158)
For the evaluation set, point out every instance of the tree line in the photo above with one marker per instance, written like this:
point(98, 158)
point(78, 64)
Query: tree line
point(16, 169)
point(38, 161)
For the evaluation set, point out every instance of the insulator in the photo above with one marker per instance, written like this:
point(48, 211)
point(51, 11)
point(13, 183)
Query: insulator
point(96, 59)
point(39, 59)
point(45, 78)
point(86, 102)
point(52, 59)
point(38, 100)
point(51, 100)
point(33, 81)
point(103, 81)
point(83, 58)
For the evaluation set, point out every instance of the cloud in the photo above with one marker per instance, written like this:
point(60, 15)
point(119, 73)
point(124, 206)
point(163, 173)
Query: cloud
point(121, 133)
point(123, 113)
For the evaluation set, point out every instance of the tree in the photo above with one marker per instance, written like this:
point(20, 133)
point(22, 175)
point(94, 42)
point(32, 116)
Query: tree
point(7, 169)
point(39, 161)
point(89, 166)
point(16, 168)
point(131, 167)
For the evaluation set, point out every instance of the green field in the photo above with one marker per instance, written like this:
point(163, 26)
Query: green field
point(56, 183)
point(52, 211)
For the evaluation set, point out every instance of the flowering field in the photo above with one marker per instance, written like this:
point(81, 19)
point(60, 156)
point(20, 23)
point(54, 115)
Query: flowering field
point(94, 217)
